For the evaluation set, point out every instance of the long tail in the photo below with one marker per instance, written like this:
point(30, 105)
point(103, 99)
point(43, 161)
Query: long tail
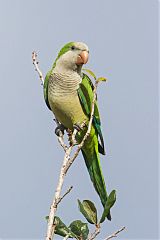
point(91, 156)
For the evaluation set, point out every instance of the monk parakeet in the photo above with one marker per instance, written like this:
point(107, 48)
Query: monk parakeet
point(68, 93)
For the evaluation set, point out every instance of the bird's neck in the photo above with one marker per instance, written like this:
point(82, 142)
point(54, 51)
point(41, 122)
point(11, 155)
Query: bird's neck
point(79, 70)
point(63, 69)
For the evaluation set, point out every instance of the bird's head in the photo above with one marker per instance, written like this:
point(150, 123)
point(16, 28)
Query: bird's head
point(72, 56)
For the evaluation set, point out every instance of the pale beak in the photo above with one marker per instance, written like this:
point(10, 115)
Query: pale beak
point(82, 58)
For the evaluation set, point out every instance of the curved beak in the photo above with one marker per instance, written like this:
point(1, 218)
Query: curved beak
point(82, 58)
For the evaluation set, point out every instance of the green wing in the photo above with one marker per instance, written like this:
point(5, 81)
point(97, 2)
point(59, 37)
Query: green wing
point(45, 88)
point(85, 93)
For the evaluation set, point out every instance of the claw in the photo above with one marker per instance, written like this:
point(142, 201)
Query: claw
point(78, 126)
point(59, 130)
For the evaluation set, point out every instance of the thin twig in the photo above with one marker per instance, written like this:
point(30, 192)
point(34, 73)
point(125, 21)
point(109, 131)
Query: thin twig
point(35, 63)
point(95, 233)
point(115, 233)
point(60, 137)
point(61, 141)
point(68, 191)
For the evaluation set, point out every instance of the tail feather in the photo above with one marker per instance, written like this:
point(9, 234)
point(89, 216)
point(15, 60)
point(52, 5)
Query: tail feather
point(92, 162)
point(96, 175)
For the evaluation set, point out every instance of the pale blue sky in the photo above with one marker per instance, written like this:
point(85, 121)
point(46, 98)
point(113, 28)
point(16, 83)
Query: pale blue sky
point(123, 39)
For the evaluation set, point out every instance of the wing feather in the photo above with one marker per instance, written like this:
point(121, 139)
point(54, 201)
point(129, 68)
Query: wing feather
point(85, 93)
point(45, 89)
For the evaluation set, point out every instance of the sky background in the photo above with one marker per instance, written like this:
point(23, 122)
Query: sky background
point(122, 36)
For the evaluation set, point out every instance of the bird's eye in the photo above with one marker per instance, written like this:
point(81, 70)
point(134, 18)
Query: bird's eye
point(73, 47)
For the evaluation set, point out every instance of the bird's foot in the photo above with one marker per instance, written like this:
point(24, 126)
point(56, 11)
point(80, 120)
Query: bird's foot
point(69, 133)
point(59, 130)
point(77, 128)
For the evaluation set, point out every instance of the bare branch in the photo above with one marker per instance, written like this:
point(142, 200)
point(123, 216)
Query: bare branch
point(60, 137)
point(53, 208)
point(115, 233)
point(61, 141)
point(68, 191)
point(95, 233)
point(35, 63)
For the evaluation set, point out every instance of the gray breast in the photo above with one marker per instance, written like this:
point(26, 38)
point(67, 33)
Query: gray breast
point(63, 98)
point(60, 84)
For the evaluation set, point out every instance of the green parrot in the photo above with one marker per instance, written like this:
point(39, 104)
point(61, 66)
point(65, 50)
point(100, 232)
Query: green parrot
point(68, 93)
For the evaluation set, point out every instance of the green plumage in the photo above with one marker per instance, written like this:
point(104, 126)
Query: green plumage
point(46, 80)
point(85, 93)
point(75, 107)
point(45, 89)
point(65, 49)
point(92, 146)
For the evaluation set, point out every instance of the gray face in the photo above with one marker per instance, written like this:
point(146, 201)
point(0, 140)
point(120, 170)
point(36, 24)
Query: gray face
point(67, 62)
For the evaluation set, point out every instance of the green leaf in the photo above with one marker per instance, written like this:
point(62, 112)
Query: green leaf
point(89, 211)
point(61, 229)
point(90, 72)
point(109, 203)
point(101, 79)
point(80, 229)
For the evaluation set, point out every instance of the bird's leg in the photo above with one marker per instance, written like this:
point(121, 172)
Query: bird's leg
point(69, 133)
point(79, 127)
point(59, 130)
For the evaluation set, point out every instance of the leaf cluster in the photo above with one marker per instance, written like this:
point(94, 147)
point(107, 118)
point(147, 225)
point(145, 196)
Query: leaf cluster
point(78, 229)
